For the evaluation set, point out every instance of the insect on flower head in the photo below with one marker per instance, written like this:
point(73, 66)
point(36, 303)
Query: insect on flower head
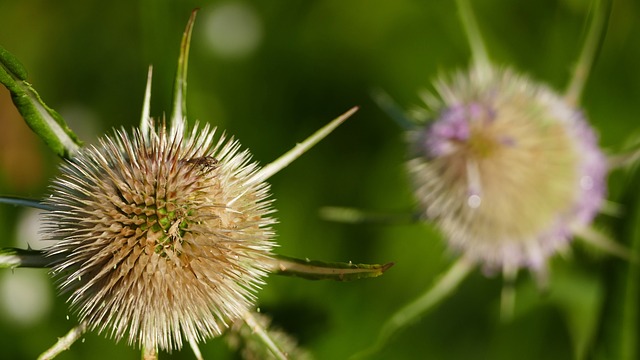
point(160, 238)
point(161, 234)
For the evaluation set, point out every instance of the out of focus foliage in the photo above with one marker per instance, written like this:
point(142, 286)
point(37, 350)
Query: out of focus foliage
point(270, 73)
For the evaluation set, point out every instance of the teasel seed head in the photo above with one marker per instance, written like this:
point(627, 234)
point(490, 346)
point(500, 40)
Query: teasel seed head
point(507, 169)
point(160, 237)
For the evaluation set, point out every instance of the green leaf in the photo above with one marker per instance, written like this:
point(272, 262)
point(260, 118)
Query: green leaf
point(42, 119)
point(180, 86)
point(13, 64)
point(321, 270)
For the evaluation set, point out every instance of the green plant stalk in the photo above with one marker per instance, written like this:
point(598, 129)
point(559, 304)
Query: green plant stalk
point(478, 49)
point(65, 342)
point(280, 265)
point(320, 270)
point(626, 345)
point(592, 45)
point(42, 119)
point(441, 289)
point(11, 258)
point(179, 115)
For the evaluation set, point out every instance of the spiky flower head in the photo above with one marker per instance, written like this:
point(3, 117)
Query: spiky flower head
point(160, 237)
point(507, 168)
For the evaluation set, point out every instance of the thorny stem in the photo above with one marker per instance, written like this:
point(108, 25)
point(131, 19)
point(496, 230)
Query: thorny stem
point(592, 45)
point(412, 311)
point(478, 50)
point(320, 270)
point(287, 158)
point(11, 258)
point(65, 342)
point(264, 336)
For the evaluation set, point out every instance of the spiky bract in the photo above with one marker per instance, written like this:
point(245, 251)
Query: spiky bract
point(159, 237)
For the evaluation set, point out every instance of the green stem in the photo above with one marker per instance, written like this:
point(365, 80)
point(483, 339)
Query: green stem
point(389, 106)
point(620, 329)
point(508, 294)
point(420, 306)
point(478, 49)
point(630, 331)
point(592, 45)
point(65, 342)
point(42, 119)
point(355, 216)
point(264, 337)
point(605, 243)
point(11, 258)
point(179, 115)
point(11, 200)
point(626, 159)
point(319, 270)
point(286, 159)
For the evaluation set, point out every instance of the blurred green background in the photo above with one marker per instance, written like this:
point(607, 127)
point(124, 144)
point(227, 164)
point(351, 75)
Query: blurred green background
point(271, 73)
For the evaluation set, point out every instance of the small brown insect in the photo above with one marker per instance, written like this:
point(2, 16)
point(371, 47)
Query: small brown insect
point(205, 162)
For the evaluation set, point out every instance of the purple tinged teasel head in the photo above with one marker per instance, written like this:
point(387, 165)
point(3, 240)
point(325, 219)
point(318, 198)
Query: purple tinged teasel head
point(507, 169)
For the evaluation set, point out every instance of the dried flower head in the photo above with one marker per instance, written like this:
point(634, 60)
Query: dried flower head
point(507, 169)
point(160, 238)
